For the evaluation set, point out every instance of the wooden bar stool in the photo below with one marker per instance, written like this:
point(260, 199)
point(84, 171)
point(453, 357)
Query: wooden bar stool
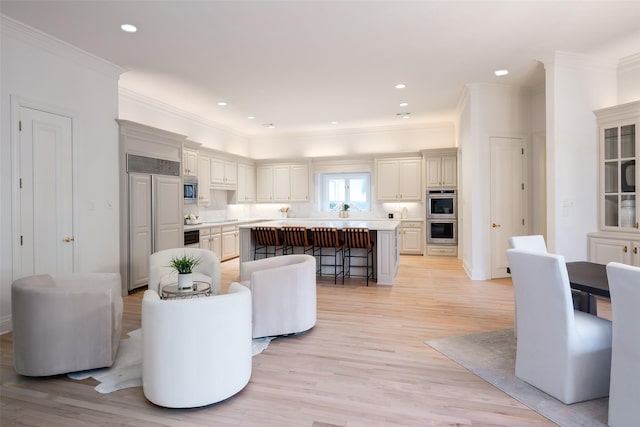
point(294, 237)
point(266, 242)
point(326, 238)
point(360, 240)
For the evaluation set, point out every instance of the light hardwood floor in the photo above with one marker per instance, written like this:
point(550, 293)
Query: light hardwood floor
point(364, 364)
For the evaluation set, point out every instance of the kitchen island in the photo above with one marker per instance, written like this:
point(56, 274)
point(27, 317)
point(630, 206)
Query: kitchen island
point(384, 233)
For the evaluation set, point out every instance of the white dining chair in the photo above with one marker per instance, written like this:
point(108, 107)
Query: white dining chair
point(564, 352)
point(624, 392)
point(536, 243)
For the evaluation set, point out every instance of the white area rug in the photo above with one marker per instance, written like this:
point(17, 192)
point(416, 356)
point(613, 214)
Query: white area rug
point(491, 356)
point(126, 371)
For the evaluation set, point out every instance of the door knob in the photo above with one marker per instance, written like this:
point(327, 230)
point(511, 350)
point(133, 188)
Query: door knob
point(68, 239)
point(624, 249)
point(494, 225)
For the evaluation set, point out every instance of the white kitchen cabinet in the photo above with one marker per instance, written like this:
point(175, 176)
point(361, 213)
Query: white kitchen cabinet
point(299, 183)
point(603, 250)
point(224, 174)
point(230, 237)
point(246, 188)
point(411, 237)
point(619, 147)
point(204, 180)
point(441, 170)
point(189, 162)
point(210, 239)
point(399, 180)
point(282, 183)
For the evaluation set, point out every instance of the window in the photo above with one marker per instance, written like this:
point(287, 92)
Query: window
point(353, 189)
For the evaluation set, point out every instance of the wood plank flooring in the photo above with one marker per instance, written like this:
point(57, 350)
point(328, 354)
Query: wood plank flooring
point(364, 364)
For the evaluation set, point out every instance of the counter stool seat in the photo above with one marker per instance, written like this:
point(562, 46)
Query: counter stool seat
point(326, 238)
point(360, 240)
point(266, 242)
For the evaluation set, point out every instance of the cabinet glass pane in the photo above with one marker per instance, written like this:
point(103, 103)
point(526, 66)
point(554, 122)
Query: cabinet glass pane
point(627, 211)
point(611, 211)
point(628, 141)
point(611, 143)
point(628, 176)
point(611, 177)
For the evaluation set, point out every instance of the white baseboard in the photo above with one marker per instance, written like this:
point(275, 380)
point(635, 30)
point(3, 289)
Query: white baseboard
point(5, 325)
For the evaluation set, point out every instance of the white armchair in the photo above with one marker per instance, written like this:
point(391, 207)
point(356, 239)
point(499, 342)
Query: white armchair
point(283, 290)
point(564, 352)
point(196, 351)
point(160, 274)
point(624, 393)
point(66, 322)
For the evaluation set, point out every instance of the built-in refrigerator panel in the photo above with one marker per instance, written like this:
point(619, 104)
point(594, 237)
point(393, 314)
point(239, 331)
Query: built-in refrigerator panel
point(140, 229)
point(167, 213)
point(155, 219)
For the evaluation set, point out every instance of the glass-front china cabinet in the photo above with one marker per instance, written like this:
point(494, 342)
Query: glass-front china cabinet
point(618, 237)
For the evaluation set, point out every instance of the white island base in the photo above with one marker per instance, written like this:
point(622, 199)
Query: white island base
point(384, 233)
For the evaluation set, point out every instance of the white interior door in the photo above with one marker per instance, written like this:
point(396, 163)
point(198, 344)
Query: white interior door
point(45, 198)
point(507, 199)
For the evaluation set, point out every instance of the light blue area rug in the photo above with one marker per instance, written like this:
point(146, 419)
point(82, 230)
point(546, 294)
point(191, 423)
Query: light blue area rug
point(491, 356)
point(126, 371)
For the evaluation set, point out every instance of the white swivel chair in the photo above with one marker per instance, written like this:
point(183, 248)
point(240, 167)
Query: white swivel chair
point(624, 393)
point(564, 352)
point(283, 290)
point(196, 351)
point(536, 243)
point(65, 322)
point(160, 274)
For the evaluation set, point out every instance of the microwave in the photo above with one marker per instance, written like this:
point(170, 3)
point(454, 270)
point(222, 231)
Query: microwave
point(190, 192)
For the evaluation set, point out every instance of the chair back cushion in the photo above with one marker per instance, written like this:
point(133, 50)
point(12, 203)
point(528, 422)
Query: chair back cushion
point(532, 243)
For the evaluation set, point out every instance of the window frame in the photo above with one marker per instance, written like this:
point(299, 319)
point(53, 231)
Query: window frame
point(324, 202)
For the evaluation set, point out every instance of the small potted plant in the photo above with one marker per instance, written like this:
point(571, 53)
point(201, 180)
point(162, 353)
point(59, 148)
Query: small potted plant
point(184, 266)
point(344, 212)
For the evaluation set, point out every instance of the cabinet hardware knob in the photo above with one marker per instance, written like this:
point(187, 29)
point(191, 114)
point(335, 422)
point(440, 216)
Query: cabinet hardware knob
point(625, 250)
point(68, 239)
point(636, 225)
point(494, 225)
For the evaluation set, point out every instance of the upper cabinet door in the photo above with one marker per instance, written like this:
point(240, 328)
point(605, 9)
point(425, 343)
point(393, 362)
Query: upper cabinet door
point(434, 172)
point(264, 184)
point(281, 183)
point(399, 180)
point(189, 162)
point(299, 183)
point(449, 172)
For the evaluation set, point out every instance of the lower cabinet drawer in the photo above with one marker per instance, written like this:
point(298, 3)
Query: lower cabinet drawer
point(442, 250)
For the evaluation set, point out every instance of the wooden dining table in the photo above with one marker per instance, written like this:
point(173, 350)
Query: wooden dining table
point(590, 278)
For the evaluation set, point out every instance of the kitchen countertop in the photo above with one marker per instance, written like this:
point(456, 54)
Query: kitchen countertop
point(328, 222)
point(372, 224)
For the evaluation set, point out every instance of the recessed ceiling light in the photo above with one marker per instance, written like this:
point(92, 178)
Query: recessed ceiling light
point(401, 86)
point(404, 104)
point(272, 126)
point(501, 72)
point(222, 104)
point(128, 28)
point(334, 122)
point(406, 116)
point(251, 117)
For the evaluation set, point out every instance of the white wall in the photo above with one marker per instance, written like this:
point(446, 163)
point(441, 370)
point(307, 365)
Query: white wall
point(629, 79)
point(44, 71)
point(494, 110)
point(354, 141)
point(141, 109)
point(576, 85)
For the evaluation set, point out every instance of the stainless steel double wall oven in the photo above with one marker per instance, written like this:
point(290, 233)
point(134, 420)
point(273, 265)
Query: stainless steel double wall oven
point(442, 216)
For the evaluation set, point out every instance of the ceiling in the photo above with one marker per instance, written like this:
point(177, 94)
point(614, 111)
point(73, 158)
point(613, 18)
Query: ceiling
point(303, 64)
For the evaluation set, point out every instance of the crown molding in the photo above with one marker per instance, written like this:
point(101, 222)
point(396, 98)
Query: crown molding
point(12, 28)
point(164, 108)
point(629, 63)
